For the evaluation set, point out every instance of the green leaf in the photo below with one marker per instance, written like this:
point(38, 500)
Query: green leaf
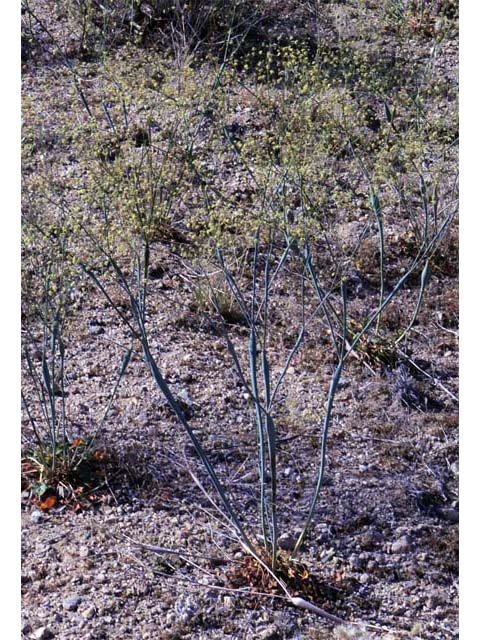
point(46, 377)
point(40, 488)
point(388, 114)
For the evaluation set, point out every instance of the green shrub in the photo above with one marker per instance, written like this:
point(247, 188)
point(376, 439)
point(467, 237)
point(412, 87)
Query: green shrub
point(57, 460)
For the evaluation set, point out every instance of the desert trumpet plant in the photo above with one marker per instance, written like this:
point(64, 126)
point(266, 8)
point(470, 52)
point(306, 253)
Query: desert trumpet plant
point(53, 448)
point(263, 396)
point(279, 245)
point(56, 452)
point(263, 390)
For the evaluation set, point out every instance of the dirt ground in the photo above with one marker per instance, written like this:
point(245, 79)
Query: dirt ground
point(382, 552)
point(385, 533)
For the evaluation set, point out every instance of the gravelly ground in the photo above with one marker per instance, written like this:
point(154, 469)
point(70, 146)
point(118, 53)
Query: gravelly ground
point(386, 524)
point(385, 536)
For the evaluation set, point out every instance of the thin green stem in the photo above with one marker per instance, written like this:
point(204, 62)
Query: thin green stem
point(423, 283)
point(326, 425)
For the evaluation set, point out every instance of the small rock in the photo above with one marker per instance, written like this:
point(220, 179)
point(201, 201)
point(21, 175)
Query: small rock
point(88, 613)
point(42, 633)
point(26, 627)
point(185, 398)
point(371, 538)
point(269, 633)
point(71, 603)
point(95, 330)
point(454, 468)
point(287, 542)
point(364, 578)
point(449, 514)
point(36, 516)
point(185, 609)
point(436, 599)
point(170, 618)
point(402, 545)
point(356, 562)
point(156, 271)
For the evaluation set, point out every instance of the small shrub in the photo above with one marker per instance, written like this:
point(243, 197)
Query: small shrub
point(58, 463)
point(163, 23)
point(212, 296)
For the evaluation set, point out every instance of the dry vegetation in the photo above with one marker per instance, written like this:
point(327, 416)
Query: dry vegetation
point(240, 315)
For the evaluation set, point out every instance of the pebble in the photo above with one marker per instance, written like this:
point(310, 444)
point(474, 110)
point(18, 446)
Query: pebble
point(71, 603)
point(42, 633)
point(96, 330)
point(89, 612)
point(371, 538)
point(170, 618)
point(454, 467)
point(402, 545)
point(36, 516)
point(185, 609)
point(450, 515)
point(436, 599)
point(364, 578)
point(287, 542)
point(356, 562)
point(269, 633)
